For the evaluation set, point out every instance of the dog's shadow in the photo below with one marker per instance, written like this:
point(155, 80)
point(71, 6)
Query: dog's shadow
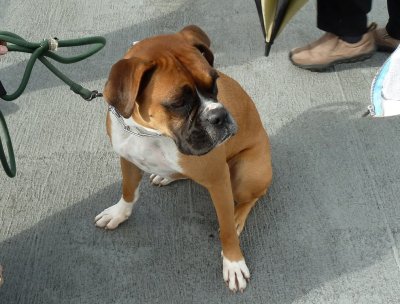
point(320, 222)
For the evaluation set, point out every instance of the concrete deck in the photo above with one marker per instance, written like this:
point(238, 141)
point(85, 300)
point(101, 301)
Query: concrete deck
point(327, 232)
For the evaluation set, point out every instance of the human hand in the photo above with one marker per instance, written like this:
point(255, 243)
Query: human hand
point(3, 48)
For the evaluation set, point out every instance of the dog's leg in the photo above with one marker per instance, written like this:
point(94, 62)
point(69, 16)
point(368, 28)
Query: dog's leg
point(242, 211)
point(251, 176)
point(111, 217)
point(235, 271)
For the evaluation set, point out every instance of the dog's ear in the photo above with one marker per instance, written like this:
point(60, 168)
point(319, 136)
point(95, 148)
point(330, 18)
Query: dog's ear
point(125, 82)
point(196, 37)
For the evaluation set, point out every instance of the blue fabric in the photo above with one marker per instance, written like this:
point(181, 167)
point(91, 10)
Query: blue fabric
point(376, 91)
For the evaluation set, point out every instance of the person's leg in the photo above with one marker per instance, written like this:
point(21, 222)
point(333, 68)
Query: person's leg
point(347, 37)
point(343, 17)
point(387, 39)
point(393, 25)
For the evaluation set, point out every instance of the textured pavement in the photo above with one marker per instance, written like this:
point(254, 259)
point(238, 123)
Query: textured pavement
point(327, 232)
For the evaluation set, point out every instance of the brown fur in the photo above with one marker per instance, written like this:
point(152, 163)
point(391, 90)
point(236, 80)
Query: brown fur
point(239, 171)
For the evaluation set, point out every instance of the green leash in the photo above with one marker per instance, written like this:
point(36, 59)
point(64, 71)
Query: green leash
point(39, 51)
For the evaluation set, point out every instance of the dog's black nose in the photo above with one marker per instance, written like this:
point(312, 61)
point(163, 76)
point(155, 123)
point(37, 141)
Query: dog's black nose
point(217, 116)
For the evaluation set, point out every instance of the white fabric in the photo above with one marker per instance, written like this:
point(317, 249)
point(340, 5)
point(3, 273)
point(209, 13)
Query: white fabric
point(385, 90)
point(390, 107)
point(391, 82)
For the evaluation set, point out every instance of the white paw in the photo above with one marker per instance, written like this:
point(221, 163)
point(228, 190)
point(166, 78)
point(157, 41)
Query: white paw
point(235, 274)
point(111, 217)
point(158, 180)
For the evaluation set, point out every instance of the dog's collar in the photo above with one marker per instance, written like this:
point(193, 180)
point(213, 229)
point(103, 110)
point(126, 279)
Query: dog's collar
point(132, 127)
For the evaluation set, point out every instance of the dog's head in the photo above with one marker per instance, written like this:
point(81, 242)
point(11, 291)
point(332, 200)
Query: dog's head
point(168, 83)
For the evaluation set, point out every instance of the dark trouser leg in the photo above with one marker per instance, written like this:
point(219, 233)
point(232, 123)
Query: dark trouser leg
point(393, 26)
point(343, 17)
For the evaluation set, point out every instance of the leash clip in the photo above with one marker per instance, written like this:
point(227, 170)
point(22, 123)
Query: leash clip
point(93, 95)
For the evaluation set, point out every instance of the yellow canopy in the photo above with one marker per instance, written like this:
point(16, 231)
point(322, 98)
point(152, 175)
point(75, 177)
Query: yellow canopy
point(274, 15)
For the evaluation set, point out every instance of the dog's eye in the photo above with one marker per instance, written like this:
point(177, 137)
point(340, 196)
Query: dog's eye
point(183, 101)
point(178, 104)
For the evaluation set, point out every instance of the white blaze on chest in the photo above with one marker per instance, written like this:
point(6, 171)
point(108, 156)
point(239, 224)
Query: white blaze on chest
point(155, 155)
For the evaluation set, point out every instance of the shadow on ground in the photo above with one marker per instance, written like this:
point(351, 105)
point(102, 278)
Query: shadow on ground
point(319, 222)
point(98, 66)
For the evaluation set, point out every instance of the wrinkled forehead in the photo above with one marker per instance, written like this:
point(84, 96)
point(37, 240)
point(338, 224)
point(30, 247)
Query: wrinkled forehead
point(178, 75)
point(176, 60)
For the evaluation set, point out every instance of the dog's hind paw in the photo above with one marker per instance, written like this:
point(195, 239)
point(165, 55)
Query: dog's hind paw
point(236, 274)
point(111, 217)
point(160, 181)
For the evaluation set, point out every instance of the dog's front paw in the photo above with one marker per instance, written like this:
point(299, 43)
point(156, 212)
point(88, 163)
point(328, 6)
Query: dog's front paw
point(111, 217)
point(235, 274)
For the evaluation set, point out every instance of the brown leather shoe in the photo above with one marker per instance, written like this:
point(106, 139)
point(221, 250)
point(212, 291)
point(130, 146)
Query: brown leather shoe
point(330, 50)
point(384, 42)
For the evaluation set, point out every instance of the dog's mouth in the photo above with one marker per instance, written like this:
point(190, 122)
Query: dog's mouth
point(226, 137)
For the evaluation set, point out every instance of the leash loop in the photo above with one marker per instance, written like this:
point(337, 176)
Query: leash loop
point(46, 48)
point(40, 51)
point(8, 166)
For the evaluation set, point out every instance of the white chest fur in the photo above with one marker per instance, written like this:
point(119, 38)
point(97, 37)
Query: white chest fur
point(152, 154)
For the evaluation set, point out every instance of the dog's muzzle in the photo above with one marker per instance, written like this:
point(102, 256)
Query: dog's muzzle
point(212, 126)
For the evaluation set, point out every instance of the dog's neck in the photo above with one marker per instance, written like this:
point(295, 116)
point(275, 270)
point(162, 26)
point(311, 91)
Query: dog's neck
point(131, 126)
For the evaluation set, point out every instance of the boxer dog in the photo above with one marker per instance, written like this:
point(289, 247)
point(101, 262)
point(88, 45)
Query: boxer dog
point(173, 115)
